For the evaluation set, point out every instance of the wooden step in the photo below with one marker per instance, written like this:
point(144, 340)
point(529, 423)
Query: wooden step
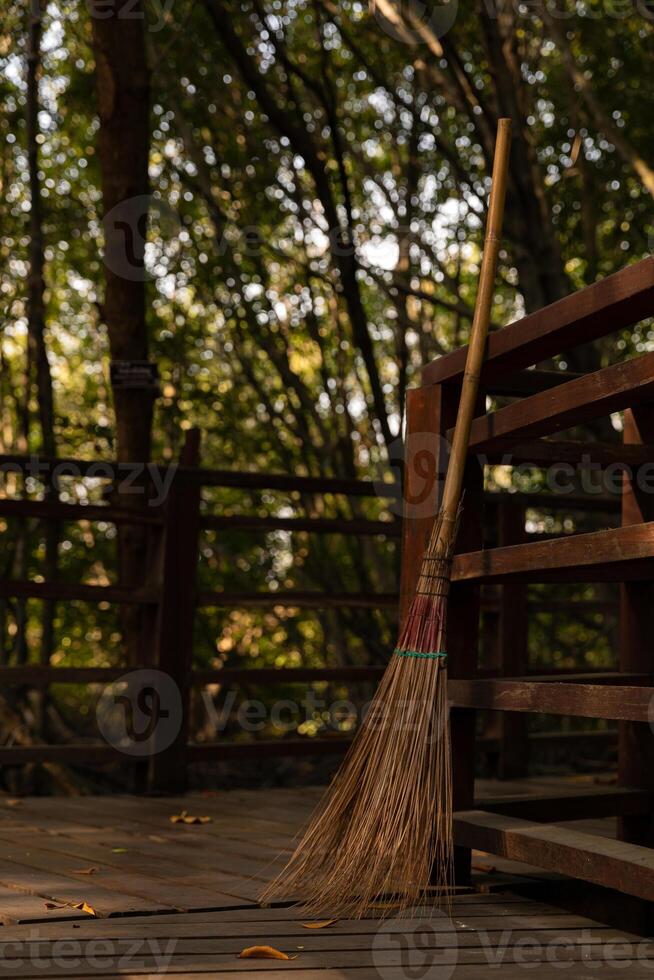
point(616, 555)
point(613, 864)
point(586, 804)
point(600, 309)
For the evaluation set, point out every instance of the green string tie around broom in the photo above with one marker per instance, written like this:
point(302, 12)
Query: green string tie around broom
point(421, 656)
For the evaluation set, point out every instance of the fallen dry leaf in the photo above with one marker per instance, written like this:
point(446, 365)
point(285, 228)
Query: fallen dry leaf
point(84, 907)
point(318, 925)
point(14, 802)
point(86, 871)
point(186, 817)
point(263, 953)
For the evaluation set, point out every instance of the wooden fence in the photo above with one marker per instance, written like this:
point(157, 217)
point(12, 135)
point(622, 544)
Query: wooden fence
point(170, 599)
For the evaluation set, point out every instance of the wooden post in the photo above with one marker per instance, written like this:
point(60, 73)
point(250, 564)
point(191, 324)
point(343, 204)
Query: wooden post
point(425, 464)
point(174, 633)
point(635, 739)
point(431, 411)
point(513, 760)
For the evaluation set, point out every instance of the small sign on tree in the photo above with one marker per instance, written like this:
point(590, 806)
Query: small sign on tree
point(135, 374)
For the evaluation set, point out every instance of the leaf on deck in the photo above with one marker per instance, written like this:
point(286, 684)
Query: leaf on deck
point(264, 953)
point(84, 907)
point(186, 817)
point(318, 925)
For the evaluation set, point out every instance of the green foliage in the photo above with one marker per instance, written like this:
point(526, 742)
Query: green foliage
point(251, 319)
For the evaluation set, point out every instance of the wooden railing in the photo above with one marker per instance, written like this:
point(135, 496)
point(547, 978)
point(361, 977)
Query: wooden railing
point(171, 594)
point(623, 554)
point(171, 598)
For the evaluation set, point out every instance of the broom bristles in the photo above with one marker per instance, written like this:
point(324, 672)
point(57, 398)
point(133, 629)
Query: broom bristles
point(383, 830)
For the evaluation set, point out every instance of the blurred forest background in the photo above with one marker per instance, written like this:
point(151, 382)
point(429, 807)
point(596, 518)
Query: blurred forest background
point(313, 179)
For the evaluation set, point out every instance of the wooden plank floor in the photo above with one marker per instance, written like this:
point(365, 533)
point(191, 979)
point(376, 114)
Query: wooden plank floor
point(181, 899)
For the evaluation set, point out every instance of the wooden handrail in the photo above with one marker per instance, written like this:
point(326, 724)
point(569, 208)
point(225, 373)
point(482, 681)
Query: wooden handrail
point(42, 675)
point(311, 600)
point(291, 482)
point(604, 307)
point(617, 702)
point(71, 591)
point(619, 554)
point(592, 396)
point(314, 525)
point(56, 511)
point(241, 479)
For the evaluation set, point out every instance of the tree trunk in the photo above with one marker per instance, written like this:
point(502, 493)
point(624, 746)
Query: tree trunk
point(36, 283)
point(122, 85)
point(38, 354)
point(528, 218)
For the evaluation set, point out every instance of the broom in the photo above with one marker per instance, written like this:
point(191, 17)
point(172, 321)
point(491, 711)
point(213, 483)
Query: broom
point(384, 827)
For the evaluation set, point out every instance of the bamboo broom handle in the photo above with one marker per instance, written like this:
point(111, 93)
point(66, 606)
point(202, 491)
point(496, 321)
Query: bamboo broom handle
point(478, 334)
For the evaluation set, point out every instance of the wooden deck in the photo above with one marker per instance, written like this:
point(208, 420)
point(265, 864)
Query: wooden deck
point(109, 886)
